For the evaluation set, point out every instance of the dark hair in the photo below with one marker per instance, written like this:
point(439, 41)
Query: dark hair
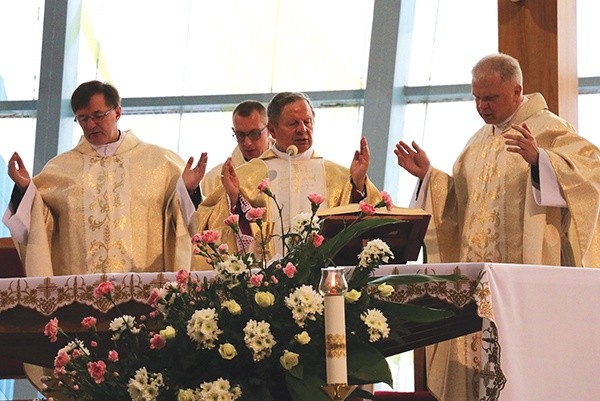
point(246, 108)
point(281, 100)
point(84, 92)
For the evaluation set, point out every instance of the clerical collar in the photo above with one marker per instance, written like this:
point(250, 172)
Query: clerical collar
point(500, 128)
point(110, 149)
point(300, 156)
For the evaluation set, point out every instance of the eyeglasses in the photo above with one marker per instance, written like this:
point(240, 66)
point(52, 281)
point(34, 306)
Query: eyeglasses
point(254, 135)
point(96, 117)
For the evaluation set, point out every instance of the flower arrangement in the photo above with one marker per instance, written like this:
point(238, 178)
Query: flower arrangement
point(254, 332)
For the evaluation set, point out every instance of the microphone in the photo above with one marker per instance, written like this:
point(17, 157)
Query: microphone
point(292, 150)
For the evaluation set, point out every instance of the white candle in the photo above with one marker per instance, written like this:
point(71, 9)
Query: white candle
point(335, 340)
point(333, 286)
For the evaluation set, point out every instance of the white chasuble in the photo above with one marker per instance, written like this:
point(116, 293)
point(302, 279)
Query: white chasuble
point(291, 191)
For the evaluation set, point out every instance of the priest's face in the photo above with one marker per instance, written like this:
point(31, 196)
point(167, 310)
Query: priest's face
point(496, 100)
point(294, 127)
point(251, 134)
point(99, 121)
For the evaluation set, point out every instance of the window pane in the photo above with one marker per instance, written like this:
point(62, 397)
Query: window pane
point(228, 47)
point(588, 120)
point(434, 128)
point(588, 32)
point(21, 24)
point(22, 142)
point(449, 37)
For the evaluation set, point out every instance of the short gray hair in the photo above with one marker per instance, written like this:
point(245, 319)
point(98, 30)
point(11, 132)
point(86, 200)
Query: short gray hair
point(507, 67)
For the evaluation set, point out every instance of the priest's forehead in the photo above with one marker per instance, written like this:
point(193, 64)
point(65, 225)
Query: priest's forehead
point(281, 100)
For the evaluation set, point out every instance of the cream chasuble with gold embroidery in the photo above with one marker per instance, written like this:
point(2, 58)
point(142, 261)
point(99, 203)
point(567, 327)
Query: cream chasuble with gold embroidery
point(486, 212)
point(314, 175)
point(95, 214)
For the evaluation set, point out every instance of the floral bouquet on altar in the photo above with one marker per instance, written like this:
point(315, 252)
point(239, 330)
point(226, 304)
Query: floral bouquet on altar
point(254, 332)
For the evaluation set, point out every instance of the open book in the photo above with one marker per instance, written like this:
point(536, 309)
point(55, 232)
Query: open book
point(404, 238)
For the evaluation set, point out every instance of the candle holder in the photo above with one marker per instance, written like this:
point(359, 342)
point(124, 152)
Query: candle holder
point(338, 392)
point(333, 285)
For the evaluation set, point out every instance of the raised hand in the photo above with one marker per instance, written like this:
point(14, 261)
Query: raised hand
point(230, 181)
point(360, 165)
point(18, 173)
point(414, 160)
point(523, 144)
point(193, 176)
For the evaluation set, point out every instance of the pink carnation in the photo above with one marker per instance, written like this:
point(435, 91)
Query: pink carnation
point(88, 322)
point(182, 276)
point(154, 297)
point(209, 237)
point(103, 289)
point(232, 220)
point(51, 330)
point(97, 370)
point(263, 185)
point(318, 240)
point(256, 280)
point(157, 342)
point(113, 356)
point(387, 200)
point(61, 359)
point(289, 270)
point(196, 238)
point(223, 248)
point(316, 199)
point(255, 213)
point(366, 208)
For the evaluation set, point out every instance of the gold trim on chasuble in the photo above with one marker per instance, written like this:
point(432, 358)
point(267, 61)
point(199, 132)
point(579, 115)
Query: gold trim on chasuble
point(484, 231)
point(106, 204)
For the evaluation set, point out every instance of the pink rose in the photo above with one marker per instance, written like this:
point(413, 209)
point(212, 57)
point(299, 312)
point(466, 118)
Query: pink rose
point(157, 342)
point(209, 237)
point(182, 276)
point(51, 330)
point(255, 213)
point(387, 200)
point(97, 370)
point(289, 270)
point(88, 322)
point(318, 240)
point(105, 288)
point(113, 356)
point(366, 208)
point(256, 280)
point(316, 199)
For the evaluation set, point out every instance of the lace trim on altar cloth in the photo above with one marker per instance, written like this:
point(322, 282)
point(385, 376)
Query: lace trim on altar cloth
point(491, 378)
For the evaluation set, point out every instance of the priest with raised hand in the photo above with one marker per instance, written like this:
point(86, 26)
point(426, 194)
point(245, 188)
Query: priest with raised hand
point(294, 170)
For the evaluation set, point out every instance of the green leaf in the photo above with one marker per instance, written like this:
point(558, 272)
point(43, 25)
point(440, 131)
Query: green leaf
point(367, 365)
point(308, 388)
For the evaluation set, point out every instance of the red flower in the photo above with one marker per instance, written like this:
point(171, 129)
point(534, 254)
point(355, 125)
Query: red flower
point(289, 270)
point(103, 289)
point(157, 342)
point(113, 356)
point(387, 200)
point(182, 276)
point(51, 330)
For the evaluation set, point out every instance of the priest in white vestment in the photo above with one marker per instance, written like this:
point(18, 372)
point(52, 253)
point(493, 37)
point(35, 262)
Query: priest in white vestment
point(112, 204)
point(525, 189)
point(294, 170)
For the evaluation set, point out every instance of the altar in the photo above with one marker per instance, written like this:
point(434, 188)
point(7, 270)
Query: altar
point(540, 321)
